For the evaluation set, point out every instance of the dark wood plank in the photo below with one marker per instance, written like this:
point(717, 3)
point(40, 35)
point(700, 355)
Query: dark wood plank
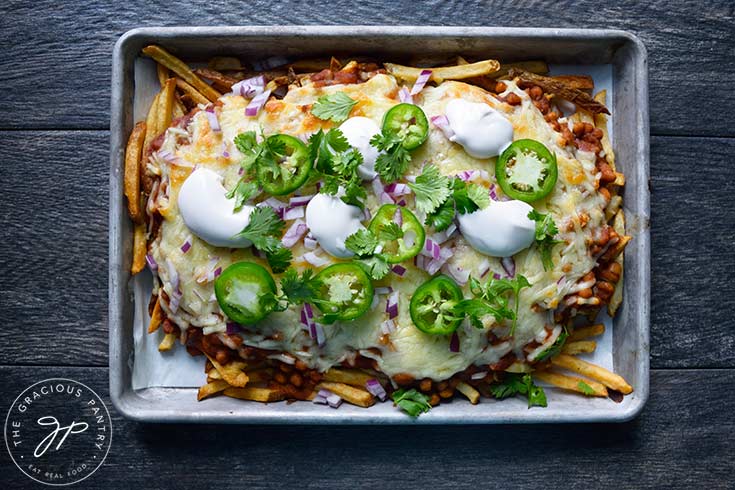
point(54, 188)
point(681, 440)
point(58, 76)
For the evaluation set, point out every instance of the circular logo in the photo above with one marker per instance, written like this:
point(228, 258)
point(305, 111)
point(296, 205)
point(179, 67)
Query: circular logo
point(58, 431)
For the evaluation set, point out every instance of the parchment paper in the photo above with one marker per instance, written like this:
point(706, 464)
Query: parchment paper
point(176, 368)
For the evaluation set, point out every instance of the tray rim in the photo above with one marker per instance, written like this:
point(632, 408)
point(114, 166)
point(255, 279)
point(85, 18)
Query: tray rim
point(132, 406)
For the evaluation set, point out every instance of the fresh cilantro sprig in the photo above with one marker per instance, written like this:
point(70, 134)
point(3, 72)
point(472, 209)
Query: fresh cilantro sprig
point(520, 384)
point(554, 349)
point(337, 163)
point(364, 244)
point(439, 196)
point(546, 230)
point(431, 189)
point(335, 107)
point(411, 401)
point(299, 289)
point(394, 158)
point(264, 229)
point(493, 298)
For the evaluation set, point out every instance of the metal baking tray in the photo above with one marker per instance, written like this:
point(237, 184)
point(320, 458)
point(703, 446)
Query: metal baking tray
point(622, 50)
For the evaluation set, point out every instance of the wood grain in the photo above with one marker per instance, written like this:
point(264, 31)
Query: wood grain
point(681, 440)
point(55, 251)
point(58, 76)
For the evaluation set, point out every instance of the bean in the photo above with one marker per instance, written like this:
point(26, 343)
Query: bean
point(279, 378)
point(585, 293)
point(403, 379)
point(286, 368)
point(597, 133)
point(536, 92)
point(448, 393)
point(222, 356)
point(500, 87)
point(442, 385)
point(512, 99)
point(301, 365)
point(425, 385)
point(296, 380)
point(578, 128)
point(589, 127)
point(434, 400)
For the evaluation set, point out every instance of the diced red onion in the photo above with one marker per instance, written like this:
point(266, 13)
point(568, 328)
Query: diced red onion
point(232, 328)
point(402, 203)
point(459, 274)
point(442, 123)
point(405, 96)
point(300, 200)
point(423, 77)
point(383, 290)
point(249, 87)
point(212, 118)
point(257, 103)
point(334, 400)
point(367, 216)
point(217, 272)
point(152, 264)
point(391, 306)
point(376, 389)
point(479, 375)
point(496, 275)
point(454, 343)
point(173, 275)
point(374, 302)
point(269, 63)
point(445, 235)
point(309, 311)
point(388, 326)
point(310, 242)
point(398, 218)
point(379, 190)
point(468, 175)
point(399, 270)
point(509, 265)
point(314, 259)
point(483, 268)
point(431, 249)
point(492, 193)
point(292, 213)
point(397, 189)
point(435, 264)
point(168, 157)
point(208, 274)
point(561, 280)
point(173, 302)
point(186, 245)
point(318, 399)
point(297, 230)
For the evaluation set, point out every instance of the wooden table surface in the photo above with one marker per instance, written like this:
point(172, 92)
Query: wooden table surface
point(54, 137)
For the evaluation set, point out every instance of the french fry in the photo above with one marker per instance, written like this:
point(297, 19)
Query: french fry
point(211, 388)
point(213, 374)
point(579, 347)
point(535, 66)
point(581, 99)
point(441, 73)
point(353, 377)
point(220, 80)
point(193, 93)
point(151, 124)
point(578, 82)
point(253, 393)
point(131, 177)
point(617, 297)
point(179, 110)
point(601, 123)
point(162, 73)
point(609, 379)
point(233, 373)
point(139, 249)
point(585, 332)
point(619, 179)
point(182, 70)
point(165, 111)
point(167, 343)
point(472, 394)
point(224, 63)
point(461, 61)
point(571, 383)
point(156, 316)
point(260, 375)
point(613, 206)
point(350, 394)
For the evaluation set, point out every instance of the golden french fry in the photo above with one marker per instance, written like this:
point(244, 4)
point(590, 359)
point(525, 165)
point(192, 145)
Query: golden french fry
point(601, 123)
point(579, 82)
point(156, 316)
point(585, 332)
point(253, 393)
point(353, 377)
point(260, 375)
point(617, 297)
point(179, 110)
point(224, 63)
point(461, 61)
point(518, 367)
point(162, 73)
point(165, 111)
point(472, 394)
point(441, 73)
point(535, 66)
point(571, 383)
point(579, 347)
point(139, 249)
point(131, 177)
point(613, 206)
point(213, 374)
point(168, 342)
point(619, 179)
point(195, 95)
point(350, 394)
point(233, 373)
point(211, 388)
point(181, 69)
point(608, 378)
point(152, 130)
point(220, 80)
point(581, 99)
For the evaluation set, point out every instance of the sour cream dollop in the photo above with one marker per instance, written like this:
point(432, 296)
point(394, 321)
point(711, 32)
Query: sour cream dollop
point(358, 131)
point(500, 230)
point(331, 221)
point(480, 129)
point(209, 214)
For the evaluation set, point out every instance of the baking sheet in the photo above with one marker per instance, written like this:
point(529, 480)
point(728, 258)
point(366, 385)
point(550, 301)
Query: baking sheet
point(176, 368)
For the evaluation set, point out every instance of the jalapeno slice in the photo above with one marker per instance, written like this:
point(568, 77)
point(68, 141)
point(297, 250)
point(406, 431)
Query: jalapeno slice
point(246, 292)
point(409, 122)
point(289, 168)
point(346, 292)
point(526, 170)
point(432, 304)
point(399, 232)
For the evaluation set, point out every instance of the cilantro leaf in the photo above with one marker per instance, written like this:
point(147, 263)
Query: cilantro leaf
point(243, 191)
point(431, 189)
point(376, 266)
point(554, 349)
point(279, 259)
point(246, 141)
point(363, 242)
point(300, 289)
point(335, 107)
point(389, 232)
point(442, 217)
point(478, 195)
point(468, 198)
point(393, 162)
point(264, 229)
point(492, 298)
point(520, 384)
point(412, 402)
point(337, 162)
point(546, 230)
point(585, 388)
